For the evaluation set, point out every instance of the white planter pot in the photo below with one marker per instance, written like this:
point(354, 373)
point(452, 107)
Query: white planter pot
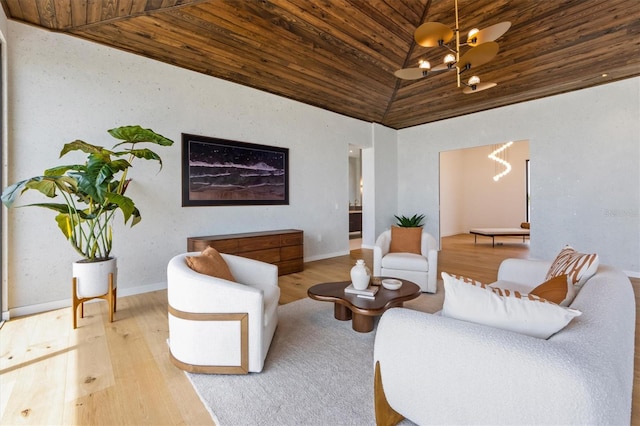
point(92, 278)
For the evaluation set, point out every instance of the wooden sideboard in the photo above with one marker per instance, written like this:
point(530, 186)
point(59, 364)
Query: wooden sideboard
point(283, 248)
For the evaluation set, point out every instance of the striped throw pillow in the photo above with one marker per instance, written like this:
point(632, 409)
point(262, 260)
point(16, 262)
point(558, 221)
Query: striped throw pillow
point(579, 267)
point(469, 300)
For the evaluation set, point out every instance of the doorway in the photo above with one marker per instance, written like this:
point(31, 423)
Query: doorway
point(472, 197)
point(355, 197)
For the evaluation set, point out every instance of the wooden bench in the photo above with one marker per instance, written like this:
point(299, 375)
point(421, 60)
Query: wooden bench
point(499, 232)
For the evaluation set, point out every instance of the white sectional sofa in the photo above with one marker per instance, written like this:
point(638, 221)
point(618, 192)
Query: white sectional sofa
point(438, 370)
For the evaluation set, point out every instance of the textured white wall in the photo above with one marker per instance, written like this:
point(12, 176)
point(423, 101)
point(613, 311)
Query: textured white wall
point(63, 88)
point(386, 181)
point(469, 197)
point(4, 299)
point(585, 178)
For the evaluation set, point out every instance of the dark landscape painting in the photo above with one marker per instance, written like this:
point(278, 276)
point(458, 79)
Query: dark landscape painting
point(223, 172)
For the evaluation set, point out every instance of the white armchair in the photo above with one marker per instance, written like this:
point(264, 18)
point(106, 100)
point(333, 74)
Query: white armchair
point(220, 326)
point(421, 269)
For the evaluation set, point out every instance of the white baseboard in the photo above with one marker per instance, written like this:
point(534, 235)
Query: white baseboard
point(148, 288)
point(326, 256)
point(65, 303)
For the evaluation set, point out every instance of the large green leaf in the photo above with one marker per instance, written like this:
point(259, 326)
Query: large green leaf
point(99, 170)
point(84, 147)
point(64, 223)
point(10, 193)
point(58, 207)
point(144, 153)
point(126, 205)
point(136, 134)
point(46, 185)
point(61, 170)
point(88, 180)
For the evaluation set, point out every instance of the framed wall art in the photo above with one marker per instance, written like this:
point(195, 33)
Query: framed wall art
point(221, 172)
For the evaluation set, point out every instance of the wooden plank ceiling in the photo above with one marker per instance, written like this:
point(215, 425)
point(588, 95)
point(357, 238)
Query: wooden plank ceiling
point(340, 55)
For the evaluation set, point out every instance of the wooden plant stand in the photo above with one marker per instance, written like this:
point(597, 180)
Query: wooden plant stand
point(110, 297)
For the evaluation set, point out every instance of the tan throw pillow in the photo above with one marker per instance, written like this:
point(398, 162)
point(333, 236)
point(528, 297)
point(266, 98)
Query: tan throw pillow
point(578, 266)
point(558, 290)
point(405, 240)
point(469, 300)
point(210, 263)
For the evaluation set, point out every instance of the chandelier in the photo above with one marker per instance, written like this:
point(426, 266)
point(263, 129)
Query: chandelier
point(483, 49)
point(499, 155)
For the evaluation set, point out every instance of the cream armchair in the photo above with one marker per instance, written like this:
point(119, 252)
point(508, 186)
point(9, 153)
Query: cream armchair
point(421, 269)
point(220, 326)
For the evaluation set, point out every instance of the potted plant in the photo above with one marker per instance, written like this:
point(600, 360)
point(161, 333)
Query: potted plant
point(409, 222)
point(91, 194)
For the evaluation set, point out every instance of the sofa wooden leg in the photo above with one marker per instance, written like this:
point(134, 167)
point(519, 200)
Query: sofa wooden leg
point(385, 415)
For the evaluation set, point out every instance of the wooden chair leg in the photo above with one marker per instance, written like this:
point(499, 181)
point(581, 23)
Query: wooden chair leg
point(385, 415)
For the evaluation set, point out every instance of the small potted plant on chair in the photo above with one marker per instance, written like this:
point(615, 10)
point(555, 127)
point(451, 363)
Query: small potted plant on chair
point(91, 194)
point(410, 222)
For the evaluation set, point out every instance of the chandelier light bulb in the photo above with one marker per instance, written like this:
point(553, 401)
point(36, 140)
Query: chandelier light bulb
point(449, 59)
point(472, 34)
point(474, 81)
point(425, 64)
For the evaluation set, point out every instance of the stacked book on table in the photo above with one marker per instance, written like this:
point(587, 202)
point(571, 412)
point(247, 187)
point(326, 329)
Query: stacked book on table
point(367, 293)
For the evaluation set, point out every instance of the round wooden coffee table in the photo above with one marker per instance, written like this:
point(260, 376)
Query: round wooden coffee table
point(360, 310)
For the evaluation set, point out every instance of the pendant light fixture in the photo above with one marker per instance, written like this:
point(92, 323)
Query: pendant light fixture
point(483, 49)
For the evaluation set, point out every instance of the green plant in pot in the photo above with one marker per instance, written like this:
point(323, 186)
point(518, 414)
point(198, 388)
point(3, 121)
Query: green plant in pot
point(410, 222)
point(91, 194)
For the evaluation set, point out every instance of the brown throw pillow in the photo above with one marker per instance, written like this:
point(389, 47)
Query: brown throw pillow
point(210, 263)
point(558, 290)
point(405, 240)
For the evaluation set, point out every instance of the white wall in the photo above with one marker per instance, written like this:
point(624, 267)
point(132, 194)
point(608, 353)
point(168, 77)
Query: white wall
point(585, 175)
point(385, 184)
point(63, 88)
point(470, 198)
point(4, 299)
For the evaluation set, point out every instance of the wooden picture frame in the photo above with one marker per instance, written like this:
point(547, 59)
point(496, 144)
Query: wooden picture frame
point(221, 172)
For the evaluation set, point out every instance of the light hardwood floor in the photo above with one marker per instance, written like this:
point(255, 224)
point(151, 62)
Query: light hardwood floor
point(118, 373)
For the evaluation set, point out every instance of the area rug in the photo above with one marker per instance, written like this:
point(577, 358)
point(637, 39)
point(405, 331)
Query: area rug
point(318, 372)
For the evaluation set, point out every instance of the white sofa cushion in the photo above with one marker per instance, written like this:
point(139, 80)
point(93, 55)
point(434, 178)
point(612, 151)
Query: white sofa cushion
point(405, 261)
point(472, 301)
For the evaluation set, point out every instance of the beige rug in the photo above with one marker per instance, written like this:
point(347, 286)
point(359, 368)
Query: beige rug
point(318, 372)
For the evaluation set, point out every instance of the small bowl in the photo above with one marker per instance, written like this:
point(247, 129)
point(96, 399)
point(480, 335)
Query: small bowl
point(391, 284)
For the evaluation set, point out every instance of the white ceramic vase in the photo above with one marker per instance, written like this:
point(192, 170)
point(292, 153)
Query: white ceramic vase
point(360, 275)
point(92, 278)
